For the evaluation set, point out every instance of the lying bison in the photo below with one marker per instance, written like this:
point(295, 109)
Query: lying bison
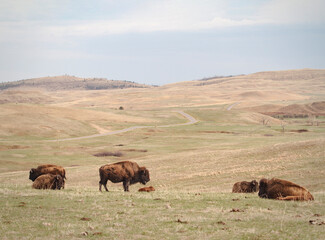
point(147, 189)
point(49, 181)
point(245, 187)
point(126, 172)
point(283, 190)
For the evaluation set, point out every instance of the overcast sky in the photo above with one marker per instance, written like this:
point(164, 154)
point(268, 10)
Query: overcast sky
point(158, 41)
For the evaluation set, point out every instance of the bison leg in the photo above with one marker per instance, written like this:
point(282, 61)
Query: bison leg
point(126, 184)
point(105, 187)
point(291, 198)
point(100, 186)
point(263, 195)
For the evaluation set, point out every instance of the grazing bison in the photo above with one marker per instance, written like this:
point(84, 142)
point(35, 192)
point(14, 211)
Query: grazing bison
point(49, 181)
point(126, 172)
point(47, 168)
point(44, 169)
point(245, 187)
point(283, 190)
point(147, 189)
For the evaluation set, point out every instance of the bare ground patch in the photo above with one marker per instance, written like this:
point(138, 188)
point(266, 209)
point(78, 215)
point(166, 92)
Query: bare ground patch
point(135, 150)
point(299, 130)
point(226, 132)
point(109, 154)
point(11, 147)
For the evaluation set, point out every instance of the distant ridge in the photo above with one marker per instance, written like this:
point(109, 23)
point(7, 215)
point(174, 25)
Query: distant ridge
point(67, 82)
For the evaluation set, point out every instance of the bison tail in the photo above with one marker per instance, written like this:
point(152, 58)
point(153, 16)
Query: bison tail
point(101, 176)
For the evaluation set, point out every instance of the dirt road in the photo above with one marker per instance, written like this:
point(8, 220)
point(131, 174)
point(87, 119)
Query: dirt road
point(191, 120)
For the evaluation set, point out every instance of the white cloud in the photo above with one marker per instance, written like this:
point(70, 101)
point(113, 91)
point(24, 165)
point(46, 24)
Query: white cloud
point(181, 15)
point(97, 28)
point(159, 16)
point(293, 12)
point(155, 15)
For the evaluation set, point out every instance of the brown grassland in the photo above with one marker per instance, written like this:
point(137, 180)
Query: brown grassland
point(263, 125)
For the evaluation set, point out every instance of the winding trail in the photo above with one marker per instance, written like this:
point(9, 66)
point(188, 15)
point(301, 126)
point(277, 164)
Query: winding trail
point(191, 120)
point(232, 105)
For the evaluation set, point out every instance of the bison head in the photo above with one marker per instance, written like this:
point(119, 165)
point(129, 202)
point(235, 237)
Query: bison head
point(144, 175)
point(58, 182)
point(254, 186)
point(33, 174)
point(263, 188)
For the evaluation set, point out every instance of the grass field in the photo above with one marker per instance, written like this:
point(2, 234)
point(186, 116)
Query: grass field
point(193, 169)
point(85, 213)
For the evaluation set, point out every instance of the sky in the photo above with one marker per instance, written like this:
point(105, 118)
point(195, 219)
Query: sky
point(158, 41)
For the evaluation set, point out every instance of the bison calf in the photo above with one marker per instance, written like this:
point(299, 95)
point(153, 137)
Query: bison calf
point(245, 187)
point(48, 181)
point(147, 189)
point(283, 190)
point(126, 172)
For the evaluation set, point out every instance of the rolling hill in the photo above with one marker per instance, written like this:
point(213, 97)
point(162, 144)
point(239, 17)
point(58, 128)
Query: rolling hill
point(67, 82)
point(280, 88)
point(193, 165)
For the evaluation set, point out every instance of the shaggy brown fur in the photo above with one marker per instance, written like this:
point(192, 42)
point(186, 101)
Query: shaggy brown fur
point(283, 190)
point(126, 172)
point(44, 169)
point(48, 181)
point(147, 189)
point(245, 187)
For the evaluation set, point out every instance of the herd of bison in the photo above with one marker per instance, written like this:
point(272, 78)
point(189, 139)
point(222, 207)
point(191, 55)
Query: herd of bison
point(53, 177)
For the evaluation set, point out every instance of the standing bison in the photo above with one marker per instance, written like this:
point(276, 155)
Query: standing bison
point(126, 172)
point(49, 181)
point(245, 187)
point(34, 173)
point(283, 190)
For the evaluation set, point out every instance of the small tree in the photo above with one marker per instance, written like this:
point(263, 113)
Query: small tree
point(121, 108)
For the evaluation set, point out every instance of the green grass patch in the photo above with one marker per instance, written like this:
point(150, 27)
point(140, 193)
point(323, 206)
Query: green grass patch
point(81, 212)
point(193, 168)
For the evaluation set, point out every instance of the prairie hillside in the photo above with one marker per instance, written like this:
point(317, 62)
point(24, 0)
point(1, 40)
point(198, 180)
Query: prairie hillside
point(197, 139)
point(281, 88)
point(67, 82)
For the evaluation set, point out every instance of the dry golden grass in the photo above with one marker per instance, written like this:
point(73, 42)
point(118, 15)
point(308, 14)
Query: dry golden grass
point(192, 167)
point(25, 96)
point(282, 88)
point(52, 121)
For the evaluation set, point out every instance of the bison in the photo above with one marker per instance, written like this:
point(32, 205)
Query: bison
point(283, 190)
point(47, 168)
point(126, 172)
point(147, 189)
point(245, 187)
point(49, 181)
point(44, 169)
